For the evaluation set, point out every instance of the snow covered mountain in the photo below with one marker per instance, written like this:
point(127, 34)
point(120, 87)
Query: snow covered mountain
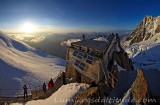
point(143, 44)
point(148, 29)
point(21, 64)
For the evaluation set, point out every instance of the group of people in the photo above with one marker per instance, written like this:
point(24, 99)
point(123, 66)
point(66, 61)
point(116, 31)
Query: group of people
point(50, 85)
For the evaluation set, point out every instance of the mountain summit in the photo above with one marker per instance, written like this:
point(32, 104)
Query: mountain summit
point(143, 44)
point(147, 30)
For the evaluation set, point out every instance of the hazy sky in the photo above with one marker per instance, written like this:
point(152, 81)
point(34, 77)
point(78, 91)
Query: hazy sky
point(74, 15)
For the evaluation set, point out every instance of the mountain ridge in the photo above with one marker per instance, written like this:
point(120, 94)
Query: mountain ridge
point(148, 29)
point(143, 44)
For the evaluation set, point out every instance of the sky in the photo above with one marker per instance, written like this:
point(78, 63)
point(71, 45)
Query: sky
point(74, 15)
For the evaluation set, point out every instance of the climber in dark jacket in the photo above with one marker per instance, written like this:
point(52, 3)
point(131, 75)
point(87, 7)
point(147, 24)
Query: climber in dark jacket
point(64, 78)
point(51, 81)
point(25, 91)
point(44, 88)
point(83, 36)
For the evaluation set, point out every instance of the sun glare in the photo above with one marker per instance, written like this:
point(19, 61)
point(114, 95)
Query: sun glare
point(28, 27)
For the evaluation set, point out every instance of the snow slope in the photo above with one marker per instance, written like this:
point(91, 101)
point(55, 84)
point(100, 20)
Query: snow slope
point(21, 64)
point(64, 96)
point(126, 98)
point(145, 54)
point(143, 44)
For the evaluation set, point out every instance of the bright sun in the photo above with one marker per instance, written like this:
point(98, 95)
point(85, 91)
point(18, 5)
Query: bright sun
point(28, 27)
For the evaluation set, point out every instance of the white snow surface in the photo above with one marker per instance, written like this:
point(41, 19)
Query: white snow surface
point(126, 98)
point(21, 64)
point(117, 48)
point(64, 96)
point(119, 67)
point(146, 54)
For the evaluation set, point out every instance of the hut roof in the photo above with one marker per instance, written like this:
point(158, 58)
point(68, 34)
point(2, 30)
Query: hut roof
point(93, 44)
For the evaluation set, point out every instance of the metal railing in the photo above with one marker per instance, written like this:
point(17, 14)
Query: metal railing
point(10, 93)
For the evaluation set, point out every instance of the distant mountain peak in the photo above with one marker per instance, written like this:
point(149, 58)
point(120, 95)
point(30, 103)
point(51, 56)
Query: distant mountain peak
point(145, 31)
point(143, 44)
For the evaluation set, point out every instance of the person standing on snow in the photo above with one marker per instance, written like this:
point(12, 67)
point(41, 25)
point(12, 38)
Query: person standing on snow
point(83, 37)
point(51, 81)
point(50, 87)
point(64, 78)
point(25, 91)
point(44, 88)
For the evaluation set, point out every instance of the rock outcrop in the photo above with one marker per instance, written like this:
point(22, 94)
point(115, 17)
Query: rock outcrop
point(118, 61)
point(92, 96)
